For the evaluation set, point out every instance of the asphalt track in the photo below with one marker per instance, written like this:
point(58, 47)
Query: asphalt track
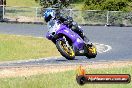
point(119, 38)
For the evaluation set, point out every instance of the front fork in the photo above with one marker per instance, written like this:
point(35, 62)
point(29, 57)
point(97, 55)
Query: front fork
point(67, 44)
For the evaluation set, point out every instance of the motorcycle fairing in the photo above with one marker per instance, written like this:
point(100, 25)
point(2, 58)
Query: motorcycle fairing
point(75, 38)
point(56, 29)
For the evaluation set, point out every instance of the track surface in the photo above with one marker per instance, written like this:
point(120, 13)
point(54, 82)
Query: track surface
point(119, 38)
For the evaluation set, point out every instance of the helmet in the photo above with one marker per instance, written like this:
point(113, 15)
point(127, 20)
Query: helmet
point(49, 14)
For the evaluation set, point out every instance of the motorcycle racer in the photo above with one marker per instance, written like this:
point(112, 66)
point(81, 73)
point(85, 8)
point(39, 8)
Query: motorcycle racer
point(50, 15)
point(68, 41)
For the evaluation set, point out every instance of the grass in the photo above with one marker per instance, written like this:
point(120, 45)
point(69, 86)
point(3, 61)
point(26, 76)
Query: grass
point(78, 6)
point(23, 3)
point(20, 48)
point(63, 80)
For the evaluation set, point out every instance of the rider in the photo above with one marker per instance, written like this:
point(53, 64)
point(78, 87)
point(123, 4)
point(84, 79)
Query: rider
point(51, 14)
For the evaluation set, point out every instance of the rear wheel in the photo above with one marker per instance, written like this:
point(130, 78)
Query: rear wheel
point(65, 50)
point(91, 51)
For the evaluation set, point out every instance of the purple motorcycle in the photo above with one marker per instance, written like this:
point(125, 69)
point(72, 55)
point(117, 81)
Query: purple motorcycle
point(69, 43)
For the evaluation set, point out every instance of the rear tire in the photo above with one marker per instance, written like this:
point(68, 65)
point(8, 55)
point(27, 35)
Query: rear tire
point(63, 52)
point(91, 52)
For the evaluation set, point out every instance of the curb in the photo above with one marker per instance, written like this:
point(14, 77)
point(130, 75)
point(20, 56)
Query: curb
point(29, 60)
point(43, 23)
point(16, 22)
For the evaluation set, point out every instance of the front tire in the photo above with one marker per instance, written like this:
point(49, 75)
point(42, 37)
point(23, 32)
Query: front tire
point(67, 52)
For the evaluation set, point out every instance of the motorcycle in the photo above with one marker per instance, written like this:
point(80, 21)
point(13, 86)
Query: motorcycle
point(69, 43)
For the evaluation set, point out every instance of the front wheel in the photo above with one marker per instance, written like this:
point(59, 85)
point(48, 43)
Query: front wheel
point(65, 49)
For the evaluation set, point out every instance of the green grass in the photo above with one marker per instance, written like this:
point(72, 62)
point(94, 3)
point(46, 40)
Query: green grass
point(63, 80)
point(78, 6)
point(25, 3)
point(20, 48)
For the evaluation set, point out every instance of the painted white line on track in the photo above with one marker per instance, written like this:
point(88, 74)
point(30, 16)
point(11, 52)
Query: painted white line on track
point(102, 48)
point(108, 48)
point(28, 36)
